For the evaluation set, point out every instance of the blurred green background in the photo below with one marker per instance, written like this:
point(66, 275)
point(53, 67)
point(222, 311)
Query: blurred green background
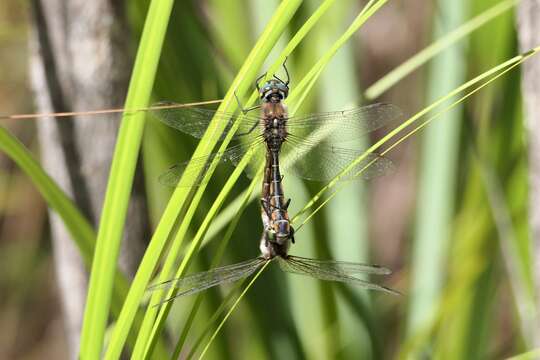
point(450, 221)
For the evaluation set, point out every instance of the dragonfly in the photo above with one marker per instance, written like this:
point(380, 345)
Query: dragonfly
point(307, 141)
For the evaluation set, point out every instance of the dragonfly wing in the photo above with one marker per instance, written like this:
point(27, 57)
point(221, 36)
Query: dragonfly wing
point(195, 121)
point(196, 168)
point(331, 271)
point(345, 125)
point(257, 158)
point(323, 162)
point(345, 266)
point(195, 283)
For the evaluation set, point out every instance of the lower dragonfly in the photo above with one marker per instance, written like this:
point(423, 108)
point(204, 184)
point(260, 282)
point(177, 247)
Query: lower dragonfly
point(278, 234)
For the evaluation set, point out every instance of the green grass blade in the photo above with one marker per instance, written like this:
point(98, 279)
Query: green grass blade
point(163, 311)
point(228, 213)
point(211, 320)
point(173, 253)
point(177, 201)
point(226, 189)
point(120, 181)
point(303, 88)
point(529, 355)
point(519, 279)
point(436, 180)
point(420, 58)
point(356, 24)
point(494, 72)
point(78, 226)
point(215, 261)
point(234, 305)
point(341, 234)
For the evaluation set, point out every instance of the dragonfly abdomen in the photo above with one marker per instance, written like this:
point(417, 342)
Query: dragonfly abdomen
point(280, 229)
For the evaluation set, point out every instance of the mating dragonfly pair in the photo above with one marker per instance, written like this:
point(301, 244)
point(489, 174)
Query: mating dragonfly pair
point(306, 143)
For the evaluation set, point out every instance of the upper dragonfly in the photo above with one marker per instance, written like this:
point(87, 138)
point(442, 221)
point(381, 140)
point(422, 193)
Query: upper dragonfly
point(307, 141)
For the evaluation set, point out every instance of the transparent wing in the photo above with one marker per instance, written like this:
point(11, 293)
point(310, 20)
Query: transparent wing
point(194, 121)
point(313, 160)
point(335, 271)
point(346, 266)
point(344, 125)
point(200, 165)
point(195, 283)
point(323, 162)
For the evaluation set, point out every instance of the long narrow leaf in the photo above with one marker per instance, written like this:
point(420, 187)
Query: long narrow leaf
point(493, 72)
point(78, 226)
point(177, 201)
point(120, 182)
point(435, 48)
point(437, 180)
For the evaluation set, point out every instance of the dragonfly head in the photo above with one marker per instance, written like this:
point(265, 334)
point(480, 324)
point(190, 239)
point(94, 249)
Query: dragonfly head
point(273, 245)
point(274, 91)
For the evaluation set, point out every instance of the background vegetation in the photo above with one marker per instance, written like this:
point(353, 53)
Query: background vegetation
point(451, 221)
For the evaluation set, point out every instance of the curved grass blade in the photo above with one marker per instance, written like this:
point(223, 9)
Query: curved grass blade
point(242, 82)
point(194, 347)
point(119, 187)
point(173, 254)
point(292, 44)
point(80, 229)
point(78, 226)
point(304, 87)
point(369, 9)
point(194, 246)
point(494, 73)
point(423, 56)
point(491, 75)
point(436, 177)
point(215, 261)
point(232, 309)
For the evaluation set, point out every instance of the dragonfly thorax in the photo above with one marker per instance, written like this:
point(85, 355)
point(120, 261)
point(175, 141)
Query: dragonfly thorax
point(274, 125)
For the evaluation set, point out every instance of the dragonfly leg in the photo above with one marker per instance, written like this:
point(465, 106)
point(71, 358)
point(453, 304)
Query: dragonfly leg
point(292, 234)
point(250, 130)
point(286, 206)
point(264, 205)
point(258, 81)
point(245, 110)
point(286, 72)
